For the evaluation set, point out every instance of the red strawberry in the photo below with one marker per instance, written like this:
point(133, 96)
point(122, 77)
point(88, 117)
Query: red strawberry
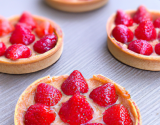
point(43, 29)
point(45, 44)
point(2, 48)
point(47, 94)
point(117, 115)
point(122, 34)
point(5, 27)
point(123, 18)
point(39, 114)
point(18, 51)
point(94, 124)
point(141, 15)
point(157, 48)
point(146, 31)
point(104, 95)
point(158, 36)
point(74, 83)
point(76, 110)
point(22, 35)
point(141, 47)
point(27, 18)
point(156, 23)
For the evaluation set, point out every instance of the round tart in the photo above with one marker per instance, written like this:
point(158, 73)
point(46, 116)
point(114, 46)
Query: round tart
point(76, 5)
point(36, 61)
point(37, 93)
point(148, 60)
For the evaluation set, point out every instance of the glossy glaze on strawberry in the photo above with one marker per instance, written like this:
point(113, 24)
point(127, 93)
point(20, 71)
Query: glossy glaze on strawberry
point(47, 94)
point(39, 114)
point(75, 83)
point(145, 31)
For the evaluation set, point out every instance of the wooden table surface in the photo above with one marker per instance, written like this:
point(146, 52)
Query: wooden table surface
point(85, 49)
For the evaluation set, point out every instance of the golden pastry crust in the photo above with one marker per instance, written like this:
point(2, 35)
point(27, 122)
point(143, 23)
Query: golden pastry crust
point(76, 5)
point(128, 57)
point(37, 62)
point(27, 97)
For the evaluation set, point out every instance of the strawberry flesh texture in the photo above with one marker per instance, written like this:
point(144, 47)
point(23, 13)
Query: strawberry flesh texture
point(94, 124)
point(5, 27)
point(146, 31)
point(74, 83)
point(47, 94)
point(76, 110)
point(22, 35)
point(156, 23)
point(18, 51)
point(122, 34)
point(141, 47)
point(104, 95)
point(157, 48)
point(2, 48)
point(141, 15)
point(27, 18)
point(123, 18)
point(39, 114)
point(45, 44)
point(117, 115)
point(43, 29)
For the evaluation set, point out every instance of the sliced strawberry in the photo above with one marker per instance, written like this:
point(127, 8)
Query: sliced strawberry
point(27, 18)
point(18, 51)
point(156, 23)
point(141, 15)
point(76, 110)
point(117, 115)
point(141, 47)
point(5, 27)
point(104, 95)
point(122, 34)
point(74, 83)
point(39, 114)
point(157, 48)
point(123, 18)
point(45, 44)
point(146, 31)
point(2, 48)
point(47, 94)
point(43, 29)
point(94, 124)
point(22, 35)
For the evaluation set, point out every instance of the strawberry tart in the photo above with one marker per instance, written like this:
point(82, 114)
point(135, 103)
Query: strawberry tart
point(74, 100)
point(76, 5)
point(134, 36)
point(28, 43)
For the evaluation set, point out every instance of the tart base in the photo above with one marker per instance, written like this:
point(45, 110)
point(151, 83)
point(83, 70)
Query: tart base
point(76, 6)
point(128, 57)
point(22, 105)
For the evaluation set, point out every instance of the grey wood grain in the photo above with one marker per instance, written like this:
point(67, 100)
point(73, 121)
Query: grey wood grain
point(85, 49)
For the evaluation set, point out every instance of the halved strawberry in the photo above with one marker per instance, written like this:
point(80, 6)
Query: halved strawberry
point(104, 95)
point(47, 94)
point(74, 83)
point(146, 31)
point(122, 34)
point(123, 18)
point(156, 23)
point(27, 18)
point(39, 114)
point(22, 35)
point(117, 115)
point(94, 124)
point(5, 27)
point(44, 28)
point(2, 48)
point(18, 51)
point(157, 48)
point(76, 110)
point(141, 47)
point(141, 15)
